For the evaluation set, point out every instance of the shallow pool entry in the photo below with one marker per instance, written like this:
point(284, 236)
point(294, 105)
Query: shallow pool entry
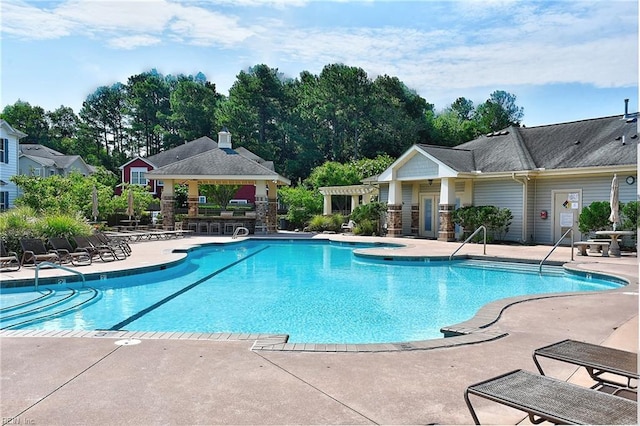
point(315, 292)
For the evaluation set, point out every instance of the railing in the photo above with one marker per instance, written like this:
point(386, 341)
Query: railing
point(569, 231)
point(484, 251)
point(239, 229)
point(55, 265)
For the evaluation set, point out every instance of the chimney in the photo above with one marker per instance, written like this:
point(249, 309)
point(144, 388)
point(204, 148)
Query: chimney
point(224, 138)
point(626, 108)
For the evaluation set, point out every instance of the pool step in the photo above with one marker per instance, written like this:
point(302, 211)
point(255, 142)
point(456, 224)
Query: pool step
point(532, 268)
point(55, 304)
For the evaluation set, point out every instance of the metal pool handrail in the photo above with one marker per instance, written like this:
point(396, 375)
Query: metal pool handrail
point(55, 265)
point(570, 230)
point(236, 233)
point(484, 251)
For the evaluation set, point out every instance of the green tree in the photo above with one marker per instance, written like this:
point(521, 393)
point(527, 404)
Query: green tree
point(63, 129)
point(302, 204)
point(147, 101)
point(498, 112)
point(220, 194)
point(193, 108)
point(31, 120)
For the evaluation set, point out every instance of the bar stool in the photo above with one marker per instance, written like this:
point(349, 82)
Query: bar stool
point(214, 228)
point(192, 226)
point(228, 228)
point(203, 228)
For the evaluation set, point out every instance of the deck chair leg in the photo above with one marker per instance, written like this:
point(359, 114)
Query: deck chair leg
point(470, 407)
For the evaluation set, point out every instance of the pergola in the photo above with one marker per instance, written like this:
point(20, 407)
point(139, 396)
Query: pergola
point(354, 191)
point(221, 166)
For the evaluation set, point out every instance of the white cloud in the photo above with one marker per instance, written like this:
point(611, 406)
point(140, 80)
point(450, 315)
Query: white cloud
point(29, 22)
point(133, 42)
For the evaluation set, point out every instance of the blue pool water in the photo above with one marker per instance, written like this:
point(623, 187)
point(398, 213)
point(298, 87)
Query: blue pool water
point(317, 292)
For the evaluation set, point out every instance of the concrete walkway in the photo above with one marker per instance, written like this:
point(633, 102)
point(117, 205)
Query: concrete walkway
point(49, 380)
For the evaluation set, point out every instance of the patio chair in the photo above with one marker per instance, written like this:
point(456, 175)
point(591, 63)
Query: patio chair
point(105, 253)
point(348, 227)
point(8, 259)
point(34, 252)
point(544, 398)
point(114, 242)
point(597, 360)
point(68, 254)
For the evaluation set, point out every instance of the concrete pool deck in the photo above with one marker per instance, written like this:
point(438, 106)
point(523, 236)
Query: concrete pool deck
point(186, 380)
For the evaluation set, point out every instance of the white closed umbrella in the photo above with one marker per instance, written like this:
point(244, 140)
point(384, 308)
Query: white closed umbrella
point(614, 217)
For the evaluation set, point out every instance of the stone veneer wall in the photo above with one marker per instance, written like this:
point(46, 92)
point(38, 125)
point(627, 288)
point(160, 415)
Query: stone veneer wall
point(415, 219)
point(167, 210)
point(447, 227)
point(394, 220)
point(272, 216)
point(261, 215)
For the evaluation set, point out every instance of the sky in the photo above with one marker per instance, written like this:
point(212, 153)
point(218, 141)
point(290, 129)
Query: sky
point(563, 60)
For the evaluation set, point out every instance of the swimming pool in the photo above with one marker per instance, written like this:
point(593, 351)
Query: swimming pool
point(314, 291)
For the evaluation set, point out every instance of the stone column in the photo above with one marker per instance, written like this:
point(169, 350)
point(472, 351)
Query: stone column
point(447, 227)
point(394, 209)
point(192, 198)
point(447, 205)
point(394, 220)
point(415, 219)
point(272, 207)
point(261, 207)
point(355, 202)
point(167, 205)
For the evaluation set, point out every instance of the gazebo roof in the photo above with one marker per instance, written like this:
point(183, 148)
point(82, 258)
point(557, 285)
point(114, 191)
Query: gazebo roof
point(218, 165)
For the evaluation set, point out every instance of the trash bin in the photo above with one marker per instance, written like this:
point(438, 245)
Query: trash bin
point(284, 223)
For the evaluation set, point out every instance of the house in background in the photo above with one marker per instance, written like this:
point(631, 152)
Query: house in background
point(544, 175)
point(135, 171)
point(39, 160)
point(9, 141)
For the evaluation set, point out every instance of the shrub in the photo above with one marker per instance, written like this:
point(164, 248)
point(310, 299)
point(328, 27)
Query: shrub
point(62, 225)
point(366, 227)
point(320, 223)
point(496, 220)
point(630, 215)
point(595, 217)
point(368, 217)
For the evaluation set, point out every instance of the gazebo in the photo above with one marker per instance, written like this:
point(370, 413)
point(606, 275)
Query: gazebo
point(221, 166)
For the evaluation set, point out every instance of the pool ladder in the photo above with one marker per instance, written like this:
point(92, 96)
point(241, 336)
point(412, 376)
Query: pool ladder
point(55, 265)
point(239, 229)
point(484, 250)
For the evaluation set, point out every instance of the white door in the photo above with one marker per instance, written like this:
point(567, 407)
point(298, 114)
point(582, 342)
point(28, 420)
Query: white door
point(428, 216)
point(566, 209)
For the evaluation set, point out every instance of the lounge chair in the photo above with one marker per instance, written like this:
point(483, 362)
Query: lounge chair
point(34, 252)
point(545, 398)
point(118, 251)
point(106, 254)
point(67, 253)
point(8, 259)
point(348, 227)
point(597, 360)
point(120, 243)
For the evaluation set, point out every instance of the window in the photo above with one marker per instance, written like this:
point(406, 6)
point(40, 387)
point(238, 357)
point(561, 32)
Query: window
point(4, 150)
point(137, 176)
point(4, 200)
point(36, 172)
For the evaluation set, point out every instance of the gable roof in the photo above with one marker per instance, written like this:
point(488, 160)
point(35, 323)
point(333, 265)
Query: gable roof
point(10, 130)
point(49, 157)
point(587, 143)
point(181, 152)
point(217, 164)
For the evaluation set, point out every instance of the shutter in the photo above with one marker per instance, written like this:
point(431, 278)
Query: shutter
point(6, 151)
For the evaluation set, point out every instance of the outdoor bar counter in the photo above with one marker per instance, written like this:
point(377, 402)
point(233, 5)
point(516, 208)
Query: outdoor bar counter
point(219, 225)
